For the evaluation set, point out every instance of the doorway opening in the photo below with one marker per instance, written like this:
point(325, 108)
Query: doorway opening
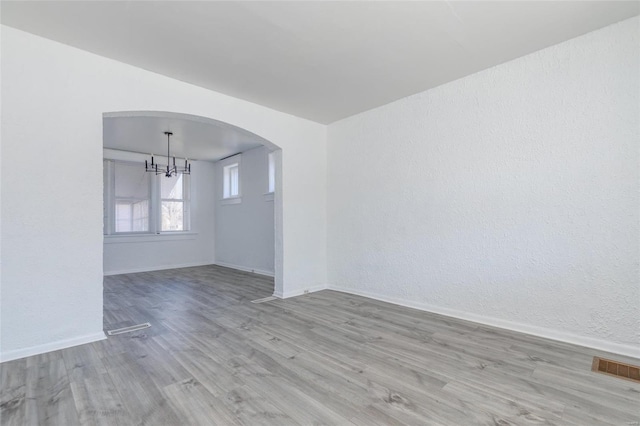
point(227, 211)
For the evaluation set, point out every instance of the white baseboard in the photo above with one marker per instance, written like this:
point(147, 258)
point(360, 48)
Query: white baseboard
point(547, 333)
point(246, 269)
point(52, 346)
point(299, 292)
point(156, 268)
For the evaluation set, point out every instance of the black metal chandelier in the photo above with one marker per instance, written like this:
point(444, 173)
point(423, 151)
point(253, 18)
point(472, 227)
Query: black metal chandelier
point(170, 170)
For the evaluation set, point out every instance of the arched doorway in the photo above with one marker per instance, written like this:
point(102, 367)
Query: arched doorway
point(132, 136)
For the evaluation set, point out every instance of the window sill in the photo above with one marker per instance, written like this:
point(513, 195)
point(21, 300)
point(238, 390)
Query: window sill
point(233, 200)
point(268, 196)
point(149, 238)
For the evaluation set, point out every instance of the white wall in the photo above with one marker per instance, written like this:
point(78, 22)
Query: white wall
point(53, 98)
point(125, 254)
point(245, 230)
point(508, 197)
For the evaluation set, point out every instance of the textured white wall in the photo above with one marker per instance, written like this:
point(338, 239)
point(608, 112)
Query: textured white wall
point(509, 196)
point(53, 98)
point(245, 231)
point(123, 254)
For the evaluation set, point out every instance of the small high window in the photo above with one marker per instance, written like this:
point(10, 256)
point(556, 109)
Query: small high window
point(272, 172)
point(231, 181)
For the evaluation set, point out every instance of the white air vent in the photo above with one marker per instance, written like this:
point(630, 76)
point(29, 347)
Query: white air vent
point(128, 329)
point(264, 299)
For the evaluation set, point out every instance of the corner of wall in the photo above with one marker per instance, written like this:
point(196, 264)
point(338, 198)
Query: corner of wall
point(299, 292)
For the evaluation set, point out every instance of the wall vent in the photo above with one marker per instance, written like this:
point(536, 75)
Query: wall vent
point(615, 368)
point(128, 329)
point(264, 299)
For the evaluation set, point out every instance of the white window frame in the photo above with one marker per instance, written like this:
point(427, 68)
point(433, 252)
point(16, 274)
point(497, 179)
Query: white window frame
point(229, 196)
point(230, 173)
point(155, 214)
point(271, 173)
point(186, 204)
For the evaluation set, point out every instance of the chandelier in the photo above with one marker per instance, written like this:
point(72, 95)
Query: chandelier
point(170, 170)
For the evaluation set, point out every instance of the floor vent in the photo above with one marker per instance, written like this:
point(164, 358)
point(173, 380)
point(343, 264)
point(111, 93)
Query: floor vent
point(615, 368)
point(128, 329)
point(264, 299)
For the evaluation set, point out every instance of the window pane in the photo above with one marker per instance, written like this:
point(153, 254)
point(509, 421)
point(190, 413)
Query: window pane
point(172, 216)
point(123, 217)
point(132, 216)
point(140, 216)
point(171, 187)
point(234, 181)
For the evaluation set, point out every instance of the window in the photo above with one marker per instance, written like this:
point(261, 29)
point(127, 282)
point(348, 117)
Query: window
point(140, 202)
point(231, 181)
point(132, 192)
point(173, 199)
point(272, 172)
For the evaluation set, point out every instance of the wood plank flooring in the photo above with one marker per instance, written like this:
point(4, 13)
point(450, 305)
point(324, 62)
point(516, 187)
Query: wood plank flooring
point(213, 358)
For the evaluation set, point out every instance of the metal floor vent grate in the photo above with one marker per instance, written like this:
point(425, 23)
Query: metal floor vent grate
point(128, 329)
point(615, 368)
point(264, 299)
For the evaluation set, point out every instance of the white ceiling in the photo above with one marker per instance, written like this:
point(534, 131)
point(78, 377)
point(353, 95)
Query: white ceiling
point(320, 60)
point(193, 137)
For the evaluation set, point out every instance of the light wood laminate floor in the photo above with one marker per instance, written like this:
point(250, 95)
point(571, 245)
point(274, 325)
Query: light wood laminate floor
point(213, 358)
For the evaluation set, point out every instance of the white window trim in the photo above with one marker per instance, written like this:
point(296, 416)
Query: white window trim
point(140, 237)
point(235, 160)
point(233, 200)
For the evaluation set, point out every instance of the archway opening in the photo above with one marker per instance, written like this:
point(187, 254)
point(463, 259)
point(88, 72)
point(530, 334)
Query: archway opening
point(242, 230)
